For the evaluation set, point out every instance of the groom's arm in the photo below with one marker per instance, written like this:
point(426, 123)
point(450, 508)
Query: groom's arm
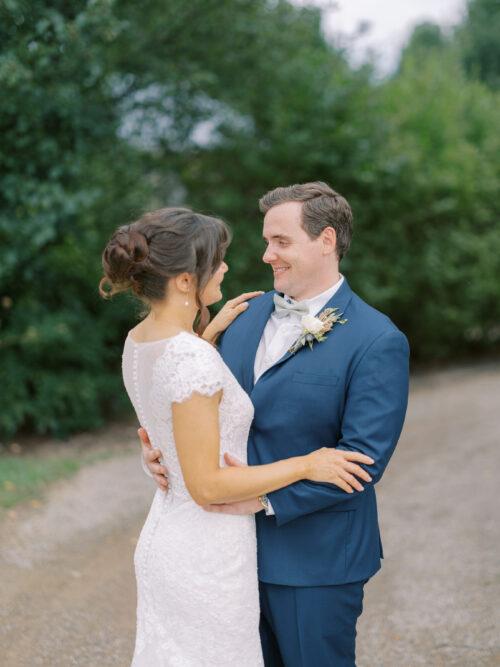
point(373, 418)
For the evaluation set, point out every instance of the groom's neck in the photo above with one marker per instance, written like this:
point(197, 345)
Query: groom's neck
point(315, 290)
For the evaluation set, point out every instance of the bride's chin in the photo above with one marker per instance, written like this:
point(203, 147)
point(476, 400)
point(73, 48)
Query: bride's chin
point(209, 301)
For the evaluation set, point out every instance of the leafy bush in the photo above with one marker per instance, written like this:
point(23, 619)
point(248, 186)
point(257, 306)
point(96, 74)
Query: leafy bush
point(67, 181)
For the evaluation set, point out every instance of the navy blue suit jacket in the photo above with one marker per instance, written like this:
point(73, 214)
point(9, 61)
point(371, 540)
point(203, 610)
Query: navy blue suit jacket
point(350, 392)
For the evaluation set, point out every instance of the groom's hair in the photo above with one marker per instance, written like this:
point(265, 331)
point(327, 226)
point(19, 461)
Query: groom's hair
point(322, 207)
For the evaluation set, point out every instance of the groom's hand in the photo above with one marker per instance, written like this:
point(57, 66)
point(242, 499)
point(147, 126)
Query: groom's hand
point(151, 458)
point(242, 507)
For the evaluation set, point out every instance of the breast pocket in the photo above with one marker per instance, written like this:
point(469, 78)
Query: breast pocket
point(322, 379)
point(314, 395)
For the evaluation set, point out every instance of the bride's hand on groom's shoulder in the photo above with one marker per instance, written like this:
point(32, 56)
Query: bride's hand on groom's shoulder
point(228, 313)
point(338, 467)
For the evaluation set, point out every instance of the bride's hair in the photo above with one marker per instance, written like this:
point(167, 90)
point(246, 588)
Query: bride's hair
point(143, 255)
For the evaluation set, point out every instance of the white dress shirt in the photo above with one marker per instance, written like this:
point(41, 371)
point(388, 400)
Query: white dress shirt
point(281, 333)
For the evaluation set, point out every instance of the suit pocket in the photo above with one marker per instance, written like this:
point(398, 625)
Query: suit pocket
point(325, 379)
point(340, 507)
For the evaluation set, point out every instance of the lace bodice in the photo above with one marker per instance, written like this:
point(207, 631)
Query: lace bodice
point(168, 371)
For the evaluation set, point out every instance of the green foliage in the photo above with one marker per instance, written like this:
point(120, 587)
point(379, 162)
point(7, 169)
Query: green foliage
point(67, 181)
point(110, 108)
point(479, 41)
point(429, 241)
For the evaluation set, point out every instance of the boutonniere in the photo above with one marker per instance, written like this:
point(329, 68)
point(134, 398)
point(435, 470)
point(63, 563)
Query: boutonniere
point(316, 328)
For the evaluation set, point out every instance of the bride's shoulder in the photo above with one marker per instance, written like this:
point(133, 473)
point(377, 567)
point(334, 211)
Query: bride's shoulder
point(187, 358)
point(186, 346)
point(188, 341)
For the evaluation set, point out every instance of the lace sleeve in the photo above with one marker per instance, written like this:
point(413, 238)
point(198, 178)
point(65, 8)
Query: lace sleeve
point(191, 366)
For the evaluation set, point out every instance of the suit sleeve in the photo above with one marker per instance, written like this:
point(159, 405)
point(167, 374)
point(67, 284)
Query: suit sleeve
point(374, 412)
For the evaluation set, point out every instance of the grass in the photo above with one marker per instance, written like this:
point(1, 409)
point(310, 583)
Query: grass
point(27, 477)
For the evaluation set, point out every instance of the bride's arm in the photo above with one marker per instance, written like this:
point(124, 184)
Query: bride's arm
point(196, 433)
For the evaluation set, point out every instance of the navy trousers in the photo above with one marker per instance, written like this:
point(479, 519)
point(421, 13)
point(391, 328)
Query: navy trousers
point(310, 626)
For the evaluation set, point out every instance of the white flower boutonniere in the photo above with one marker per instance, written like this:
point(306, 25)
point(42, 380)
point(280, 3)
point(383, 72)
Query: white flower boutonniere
point(316, 328)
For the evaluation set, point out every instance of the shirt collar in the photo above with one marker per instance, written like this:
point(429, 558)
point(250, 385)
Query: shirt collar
point(315, 303)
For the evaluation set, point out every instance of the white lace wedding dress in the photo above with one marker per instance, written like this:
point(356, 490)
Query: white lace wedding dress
point(197, 589)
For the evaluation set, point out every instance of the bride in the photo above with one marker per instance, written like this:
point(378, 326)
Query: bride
point(197, 589)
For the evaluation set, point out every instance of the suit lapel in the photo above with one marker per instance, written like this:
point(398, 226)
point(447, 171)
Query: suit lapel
point(339, 300)
point(257, 326)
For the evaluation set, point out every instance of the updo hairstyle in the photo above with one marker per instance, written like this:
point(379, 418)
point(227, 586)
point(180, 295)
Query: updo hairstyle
point(143, 255)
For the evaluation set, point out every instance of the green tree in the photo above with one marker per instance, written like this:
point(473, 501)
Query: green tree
point(66, 181)
point(479, 41)
point(436, 212)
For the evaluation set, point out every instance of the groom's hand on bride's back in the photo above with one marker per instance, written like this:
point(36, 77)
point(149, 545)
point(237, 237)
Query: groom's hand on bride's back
point(151, 458)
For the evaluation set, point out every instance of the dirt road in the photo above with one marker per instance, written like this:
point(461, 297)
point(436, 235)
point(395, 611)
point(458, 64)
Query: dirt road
point(67, 592)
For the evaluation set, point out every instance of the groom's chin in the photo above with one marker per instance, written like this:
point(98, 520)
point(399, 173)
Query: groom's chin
point(280, 285)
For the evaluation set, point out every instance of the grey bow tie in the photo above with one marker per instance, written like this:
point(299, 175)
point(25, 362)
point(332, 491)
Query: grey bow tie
point(283, 307)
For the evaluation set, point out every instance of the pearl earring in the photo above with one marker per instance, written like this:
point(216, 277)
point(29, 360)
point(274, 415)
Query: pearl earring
point(186, 302)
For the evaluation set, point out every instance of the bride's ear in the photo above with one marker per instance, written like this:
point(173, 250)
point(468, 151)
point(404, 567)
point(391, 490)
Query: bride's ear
point(184, 282)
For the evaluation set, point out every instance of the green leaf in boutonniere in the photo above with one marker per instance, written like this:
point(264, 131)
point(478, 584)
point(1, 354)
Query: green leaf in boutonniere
point(317, 328)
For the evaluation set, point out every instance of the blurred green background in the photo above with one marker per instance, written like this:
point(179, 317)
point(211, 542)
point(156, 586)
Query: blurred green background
point(109, 109)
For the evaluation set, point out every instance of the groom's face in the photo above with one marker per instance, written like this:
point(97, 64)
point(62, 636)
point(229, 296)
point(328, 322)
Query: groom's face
point(295, 258)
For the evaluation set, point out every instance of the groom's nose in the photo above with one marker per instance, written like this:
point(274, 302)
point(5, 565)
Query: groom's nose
point(269, 256)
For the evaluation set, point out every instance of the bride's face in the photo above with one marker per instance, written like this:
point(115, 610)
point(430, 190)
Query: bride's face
point(212, 292)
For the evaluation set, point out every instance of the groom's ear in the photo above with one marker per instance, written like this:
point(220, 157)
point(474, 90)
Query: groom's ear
point(329, 241)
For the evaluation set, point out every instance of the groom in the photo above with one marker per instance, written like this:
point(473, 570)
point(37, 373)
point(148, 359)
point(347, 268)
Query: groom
point(317, 544)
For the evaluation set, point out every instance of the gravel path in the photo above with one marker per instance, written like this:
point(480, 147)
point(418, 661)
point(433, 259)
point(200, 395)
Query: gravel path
point(67, 586)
